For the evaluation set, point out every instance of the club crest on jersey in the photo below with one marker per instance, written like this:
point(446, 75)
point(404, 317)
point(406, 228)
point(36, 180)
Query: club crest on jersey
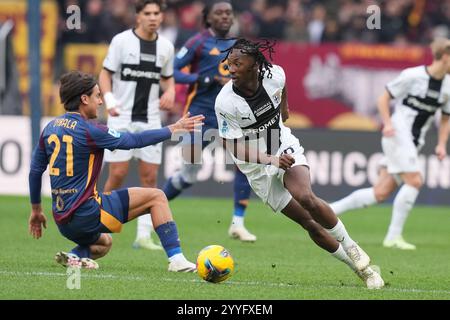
point(182, 53)
point(148, 57)
point(277, 96)
point(114, 133)
point(225, 127)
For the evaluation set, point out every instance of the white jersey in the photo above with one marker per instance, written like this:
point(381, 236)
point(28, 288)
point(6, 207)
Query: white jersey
point(419, 97)
point(138, 65)
point(257, 118)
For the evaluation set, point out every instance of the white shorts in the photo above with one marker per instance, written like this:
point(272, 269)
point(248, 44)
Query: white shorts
point(267, 181)
point(150, 154)
point(400, 154)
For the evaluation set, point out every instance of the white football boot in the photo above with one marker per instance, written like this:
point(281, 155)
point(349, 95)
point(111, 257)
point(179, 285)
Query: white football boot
point(241, 233)
point(360, 259)
point(72, 260)
point(87, 263)
point(398, 243)
point(182, 265)
point(371, 278)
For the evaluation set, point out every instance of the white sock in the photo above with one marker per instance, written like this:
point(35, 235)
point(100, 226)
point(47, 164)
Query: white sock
point(176, 181)
point(339, 233)
point(403, 203)
point(144, 226)
point(341, 255)
point(177, 257)
point(237, 221)
point(358, 199)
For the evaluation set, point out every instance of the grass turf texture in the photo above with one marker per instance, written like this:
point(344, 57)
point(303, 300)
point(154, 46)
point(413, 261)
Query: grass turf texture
point(282, 264)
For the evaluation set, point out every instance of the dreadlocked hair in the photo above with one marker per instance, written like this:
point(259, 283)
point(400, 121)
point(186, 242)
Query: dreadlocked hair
point(256, 50)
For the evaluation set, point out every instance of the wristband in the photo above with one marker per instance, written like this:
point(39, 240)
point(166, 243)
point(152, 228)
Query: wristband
point(110, 100)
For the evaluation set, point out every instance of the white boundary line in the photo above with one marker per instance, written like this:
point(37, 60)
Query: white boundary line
point(244, 283)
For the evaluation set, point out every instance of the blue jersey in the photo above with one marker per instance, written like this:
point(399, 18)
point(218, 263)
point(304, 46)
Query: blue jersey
point(73, 148)
point(203, 53)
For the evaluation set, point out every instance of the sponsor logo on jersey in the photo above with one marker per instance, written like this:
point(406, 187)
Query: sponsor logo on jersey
point(267, 106)
point(263, 127)
point(114, 133)
point(415, 102)
point(130, 74)
point(182, 53)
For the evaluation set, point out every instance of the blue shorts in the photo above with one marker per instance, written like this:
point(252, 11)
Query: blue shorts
point(94, 217)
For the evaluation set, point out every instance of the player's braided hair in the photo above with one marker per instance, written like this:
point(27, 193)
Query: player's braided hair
point(256, 50)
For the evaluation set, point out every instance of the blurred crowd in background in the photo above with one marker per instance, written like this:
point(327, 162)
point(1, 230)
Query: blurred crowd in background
point(313, 21)
point(305, 23)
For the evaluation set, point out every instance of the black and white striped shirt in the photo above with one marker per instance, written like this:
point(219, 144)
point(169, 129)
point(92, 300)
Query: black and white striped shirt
point(418, 96)
point(138, 66)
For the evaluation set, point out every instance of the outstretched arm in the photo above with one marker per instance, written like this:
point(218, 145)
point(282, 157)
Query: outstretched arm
point(150, 137)
point(105, 138)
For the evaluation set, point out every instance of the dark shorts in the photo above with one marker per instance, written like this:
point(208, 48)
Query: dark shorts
point(96, 217)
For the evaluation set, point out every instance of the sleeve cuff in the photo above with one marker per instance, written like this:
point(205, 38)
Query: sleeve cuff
point(390, 93)
point(109, 69)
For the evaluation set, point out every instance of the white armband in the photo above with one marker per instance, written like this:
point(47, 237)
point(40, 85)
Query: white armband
point(110, 100)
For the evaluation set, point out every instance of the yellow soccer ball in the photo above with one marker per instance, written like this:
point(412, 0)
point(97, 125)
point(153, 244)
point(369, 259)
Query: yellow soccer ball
point(215, 264)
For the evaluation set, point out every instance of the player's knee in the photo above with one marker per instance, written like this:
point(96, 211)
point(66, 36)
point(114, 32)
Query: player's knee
point(100, 251)
point(307, 200)
point(159, 197)
point(313, 228)
point(149, 180)
point(102, 248)
point(416, 181)
point(119, 173)
point(381, 194)
point(107, 242)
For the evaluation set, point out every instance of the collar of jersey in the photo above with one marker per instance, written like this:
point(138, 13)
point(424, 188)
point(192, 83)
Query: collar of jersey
point(74, 113)
point(241, 94)
point(134, 32)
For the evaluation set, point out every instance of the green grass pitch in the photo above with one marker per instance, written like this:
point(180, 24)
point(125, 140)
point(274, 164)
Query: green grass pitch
point(283, 263)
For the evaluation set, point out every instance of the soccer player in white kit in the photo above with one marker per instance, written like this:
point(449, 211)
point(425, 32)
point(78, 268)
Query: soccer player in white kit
point(250, 110)
point(139, 60)
point(420, 92)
